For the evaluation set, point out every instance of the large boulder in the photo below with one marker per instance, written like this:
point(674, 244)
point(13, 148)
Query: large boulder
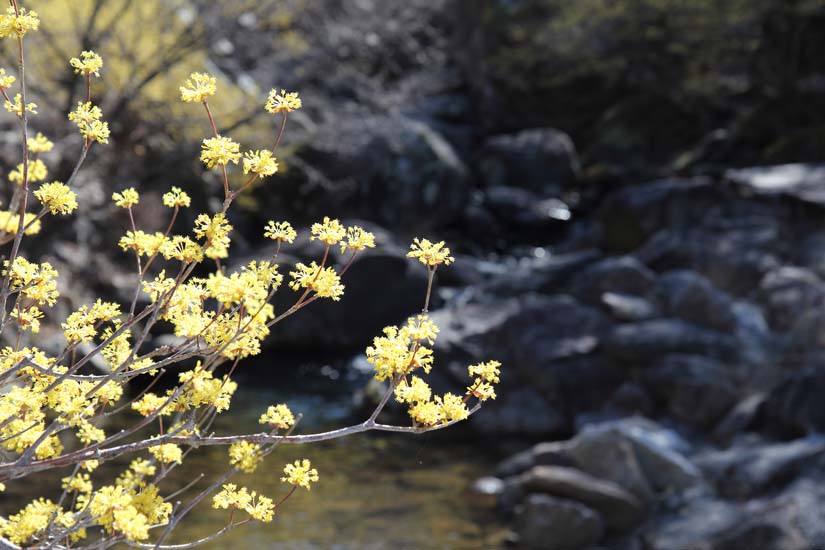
point(542, 160)
point(391, 169)
point(548, 523)
point(644, 341)
point(619, 508)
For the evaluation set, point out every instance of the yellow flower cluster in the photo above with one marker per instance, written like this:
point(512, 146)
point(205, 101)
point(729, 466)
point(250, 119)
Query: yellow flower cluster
point(126, 512)
point(430, 254)
point(176, 198)
point(39, 143)
point(329, 231)
point(21, 527)
point(323, 281)
point(57, 197)
point(357, 239)
point(283, 101)
point(6, 80)
point(300, 473)
point(245, 456)
point(16, 106)
point(257, 506)
point(9, 221)
point(278, 416)
point(87, 118)
point(144, 244)
point(280, 231)
point(89, 63)
point(400, 351)
point(487, 374)
point(37, 282)
point(16, 23)
point(126, 198)
point(28, 318)
point(216, 232)
point(167, 453)
point(37, 171)
point(81, 326)
point(220, 151)
point(198, 87)
point(260, 162)
point(198, 388)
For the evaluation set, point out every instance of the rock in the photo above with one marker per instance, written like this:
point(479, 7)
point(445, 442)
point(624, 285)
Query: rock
point(631, 398)
point(620, 509)
point(648, 339)
point(801, 181)
point(623, 274)
point(794, 405)
point(740, 418)
point(527, 217)
point(542, 160)
point(788, 290)
point(694, 389)
point(548, 453)
point(744, 471)
point(626, 307)
point(646, 457)
point(546, 274)
point(689, 296)
point(549, 523)
point(390, 169)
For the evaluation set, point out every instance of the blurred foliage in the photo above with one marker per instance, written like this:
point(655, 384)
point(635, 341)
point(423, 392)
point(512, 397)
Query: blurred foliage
point(646, 80)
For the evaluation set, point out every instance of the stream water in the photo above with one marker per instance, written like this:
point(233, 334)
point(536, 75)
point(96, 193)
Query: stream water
point(376, 491)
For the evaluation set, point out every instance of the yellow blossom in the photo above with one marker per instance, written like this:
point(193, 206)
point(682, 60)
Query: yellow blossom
point(167, 452)
point(415, 391)
point(9, 222)
point(453, 407)
point(89, 63)
point(39, 143)
point(278, 416)
point(220, 151)
point(28, 318)
point(28, 522)
point(36, 282)
point(57, 197)
point(488, 371)
point(430, 254)
point(329, 231)
point(182, 248)
point(280, 231)
point(6, 80)
point(16, 23)
point(79, 483)
point(126, 198)
point(325, 282)
point(357, 239)
point(300, 473)
point(87, 118)
point(198, 87)
point(245, 456)
point(260, 162)
point(176, 198)
point(257, 506)
point(37, 171)
point(145, 244)
point(282, 101)
point(16, 106)
point(216, 232)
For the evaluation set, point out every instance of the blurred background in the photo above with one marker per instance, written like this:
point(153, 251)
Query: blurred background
point(633, 192)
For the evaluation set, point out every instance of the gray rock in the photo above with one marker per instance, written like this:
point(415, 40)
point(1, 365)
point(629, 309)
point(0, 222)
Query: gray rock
point(788, 290)
point(801, 181)
point(626, 307)
point(620, 509)
point(694, 389)
point(392, 169)
point(689, 296)
point(647, 457)
point(542, 160)
point(623, 274)
point(548, 453)
point(747, 470)
point(549, 523)
point(648, 339)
